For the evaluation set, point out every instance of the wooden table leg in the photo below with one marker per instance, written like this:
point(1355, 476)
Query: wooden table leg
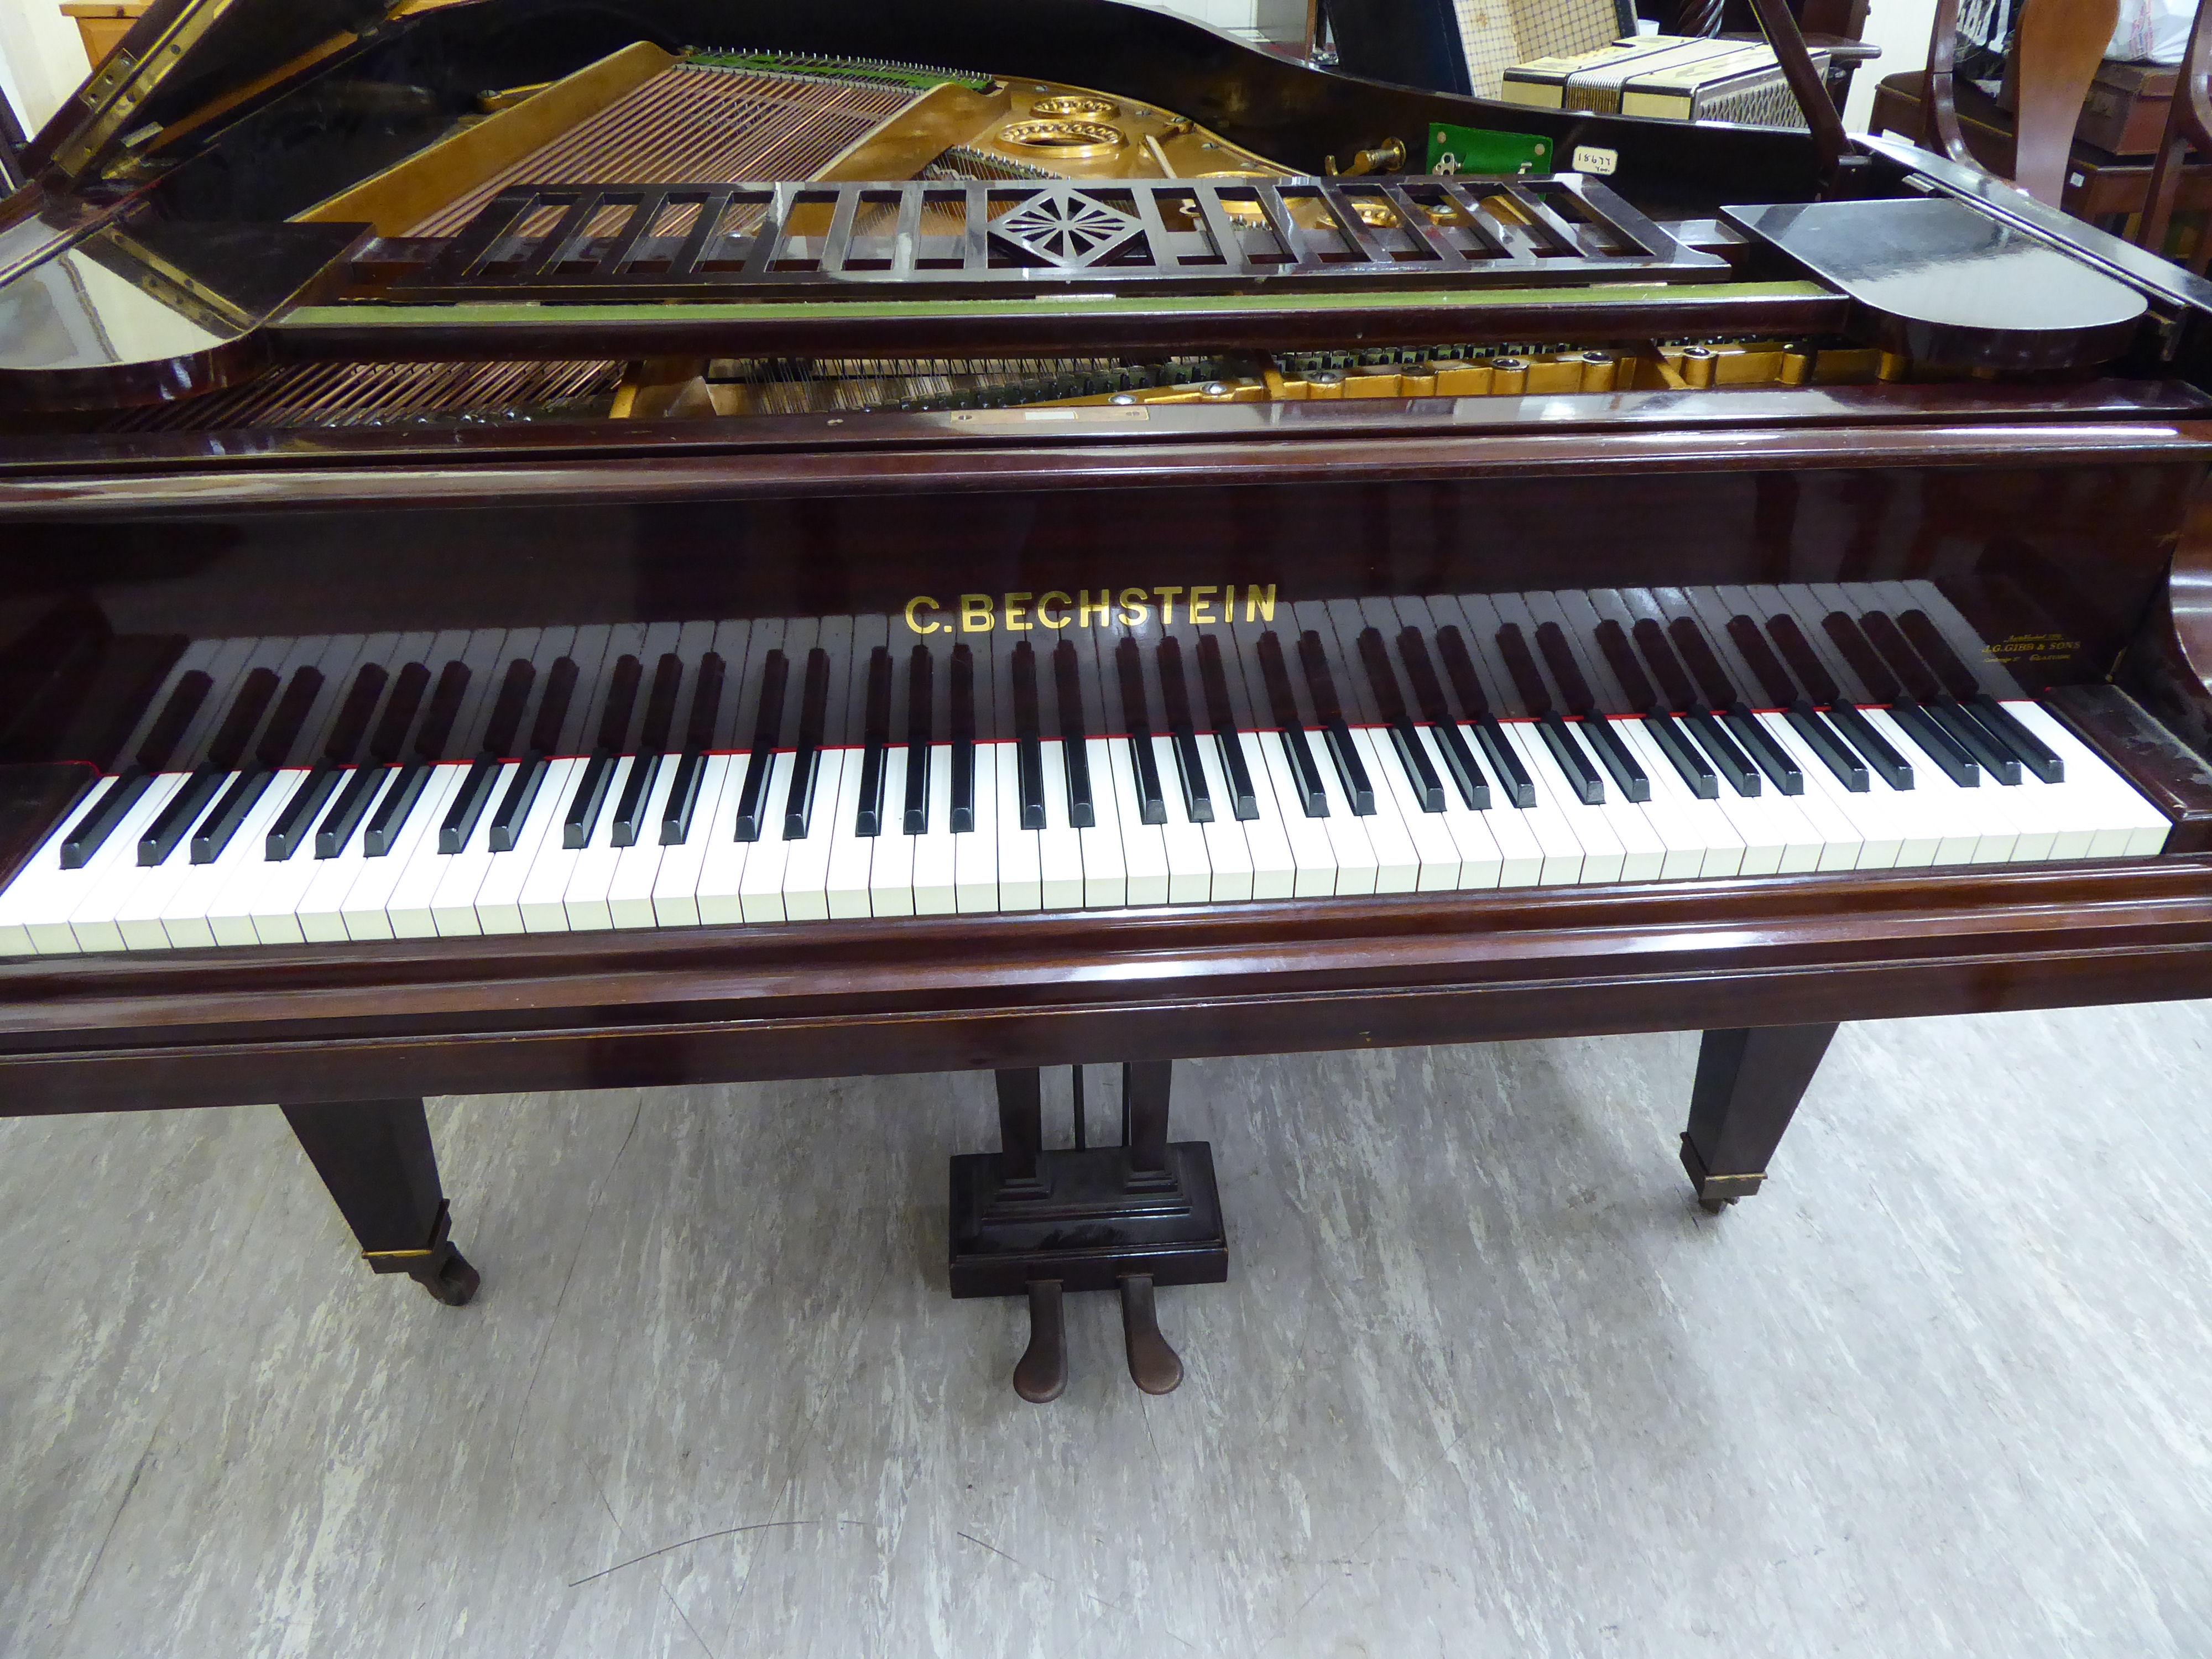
point(376, 1158)
point(1749, 1083)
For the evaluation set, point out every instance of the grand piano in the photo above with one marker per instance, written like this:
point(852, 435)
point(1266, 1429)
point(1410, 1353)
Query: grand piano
point(554, 545)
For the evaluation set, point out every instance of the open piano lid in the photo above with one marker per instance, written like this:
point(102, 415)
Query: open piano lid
point(184, 54)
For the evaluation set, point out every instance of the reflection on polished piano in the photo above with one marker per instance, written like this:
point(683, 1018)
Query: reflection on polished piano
point(554, 545)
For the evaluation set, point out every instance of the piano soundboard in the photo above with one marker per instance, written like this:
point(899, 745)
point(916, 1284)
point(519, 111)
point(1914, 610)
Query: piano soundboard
point(672, 775)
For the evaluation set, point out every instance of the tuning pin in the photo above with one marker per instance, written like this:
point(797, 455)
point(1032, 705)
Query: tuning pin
point(1041, 1373)
point(1153, 1365)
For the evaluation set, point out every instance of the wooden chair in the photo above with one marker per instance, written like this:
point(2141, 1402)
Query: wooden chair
point(2188, 128)
point(2061, 44)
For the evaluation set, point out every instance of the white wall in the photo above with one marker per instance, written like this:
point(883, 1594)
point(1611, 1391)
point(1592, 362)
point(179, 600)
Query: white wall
point(41, 58)
point(1900, 28)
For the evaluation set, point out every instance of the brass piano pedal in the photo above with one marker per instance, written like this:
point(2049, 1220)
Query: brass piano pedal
point(1040, 1375)
point(1153, 1365)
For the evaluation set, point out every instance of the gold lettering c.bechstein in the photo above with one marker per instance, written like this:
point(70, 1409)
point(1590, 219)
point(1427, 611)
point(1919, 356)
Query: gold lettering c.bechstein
point(1105, 607)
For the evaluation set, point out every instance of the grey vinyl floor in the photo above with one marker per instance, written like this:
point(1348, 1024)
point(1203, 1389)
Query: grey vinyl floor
point(1484, 1381)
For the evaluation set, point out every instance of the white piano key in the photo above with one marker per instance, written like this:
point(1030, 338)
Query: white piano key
point(936, 851)
point(1021, 877)
point(1144, 847)
point(1267, 848)
point(847, 883)
point(1313, 853)
point(760, 887)
point(890, 855)
point(459, 876)
point(1397, 861)
point(637, 867)
point(1190, 872)
point(2132, 828)
point(676, 881)
point(591, 867)
point(1828, 806)
point(1699, 840)
point(976, 852)
point(720, 893)
point(1548, 821)
point(1059, 845)
point(499, 898)
point(366, 912)
point(201, 911)
point(1357, 862)
point(806, 861)
point(44, 899)
point(1437, 863)
point(1105, 868)
point(1954, 818)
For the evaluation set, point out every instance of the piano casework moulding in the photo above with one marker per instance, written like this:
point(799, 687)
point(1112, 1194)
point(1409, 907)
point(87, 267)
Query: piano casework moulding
point(560, 546)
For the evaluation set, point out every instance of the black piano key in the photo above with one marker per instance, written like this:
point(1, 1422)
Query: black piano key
point(706, 704)
point(290, 833)
point(1390, 699)
point(469, 804)
point(2026, 748)
point(1136, 715)
point(1067, 688)
point(1574, 765)
point(335, 832)
point(1933, 741)
point(1620, 657)
point(1429, 694)
point(394, 808)
point(588, 801)
point(437, 728)
point(1936, 651)
point(1182, 732)
point(963, 740)
point(390, 735)
point(621, 704)
point(1413, 755)
point(806, 756)
point(1459, 664)
point(1221, 720)
point(1804, 662)
point(505, 722)
point(1513, 778)
point(217, 829)
point(660, 705)
point(1628, 776)
point(185, 697)
point(1675, 691)
point(1758, 656)
point(1842, 631)
point(1028, 737)
point(1283, 705)
point(1731, 761)
point(355, 714)
point(875, 738)
point(1697, 773)
point(1559, 656)
point(636, 796)
point(239, 725)
point(1886, 637)
point(683, 799)
point(914, 812)
point(176, 819)
point(1835, 754)
point(1769, 756)
point(1528, 679)
point(1884, 761)
point(90, 833)
point(514, 806)
point(1721, 692)
point(552, 713)
point(274, 749)
point(760, 761)
point(1350, 771)
point(1963, 729)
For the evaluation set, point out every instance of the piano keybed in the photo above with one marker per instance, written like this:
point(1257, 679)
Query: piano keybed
point(743, 771)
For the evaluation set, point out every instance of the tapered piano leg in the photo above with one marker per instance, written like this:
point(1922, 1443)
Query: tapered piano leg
point(376, 1158)
point(1749, 1083)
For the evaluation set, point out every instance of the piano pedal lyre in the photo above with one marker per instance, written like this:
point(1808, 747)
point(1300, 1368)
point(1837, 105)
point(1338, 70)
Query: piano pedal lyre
point(1030, 1222)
